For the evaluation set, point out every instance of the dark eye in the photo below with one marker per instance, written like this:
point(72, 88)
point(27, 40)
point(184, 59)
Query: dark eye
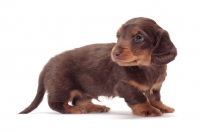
point(118, 35)
point(138, 38)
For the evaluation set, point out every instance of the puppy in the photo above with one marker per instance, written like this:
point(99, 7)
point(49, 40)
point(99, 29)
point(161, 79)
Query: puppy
point(134, 68)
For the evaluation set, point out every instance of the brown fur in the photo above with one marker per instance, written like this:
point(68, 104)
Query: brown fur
point(133, 68)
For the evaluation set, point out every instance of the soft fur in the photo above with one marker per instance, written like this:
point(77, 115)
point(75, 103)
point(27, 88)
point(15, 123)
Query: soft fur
point(134, 68)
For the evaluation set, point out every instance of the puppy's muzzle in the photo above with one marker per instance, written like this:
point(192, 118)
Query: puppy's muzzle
point(116, 53)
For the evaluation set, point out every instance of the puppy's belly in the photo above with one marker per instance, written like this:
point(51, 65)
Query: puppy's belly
point(94, 85)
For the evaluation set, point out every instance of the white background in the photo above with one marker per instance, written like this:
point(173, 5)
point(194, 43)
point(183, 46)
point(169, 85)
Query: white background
point(33, 31)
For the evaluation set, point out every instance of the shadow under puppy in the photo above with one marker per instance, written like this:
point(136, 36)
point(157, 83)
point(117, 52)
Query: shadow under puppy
point(134, 68)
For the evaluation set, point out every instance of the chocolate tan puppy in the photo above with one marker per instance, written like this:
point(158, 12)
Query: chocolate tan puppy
point(133, 68)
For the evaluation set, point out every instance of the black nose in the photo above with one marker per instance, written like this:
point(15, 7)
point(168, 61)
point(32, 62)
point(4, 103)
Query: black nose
point(116, 53)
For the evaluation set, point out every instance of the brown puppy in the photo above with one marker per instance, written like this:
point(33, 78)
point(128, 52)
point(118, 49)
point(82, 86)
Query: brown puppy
point(134, 68)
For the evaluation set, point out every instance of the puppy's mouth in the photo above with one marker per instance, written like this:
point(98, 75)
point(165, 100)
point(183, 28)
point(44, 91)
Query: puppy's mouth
point(136, 61)
point(124, 57)
point(125, 63)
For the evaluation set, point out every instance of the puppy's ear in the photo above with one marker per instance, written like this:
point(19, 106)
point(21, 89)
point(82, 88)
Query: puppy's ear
point(164, 50)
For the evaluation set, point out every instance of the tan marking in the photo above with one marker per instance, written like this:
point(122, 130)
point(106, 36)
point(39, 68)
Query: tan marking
point(83, 102)
point(145, 94)
point(127, 63)
point(162, 107)
point(145, 109)
point(74, 93)
point(156, 86)
point(139, 86)
point(112, 57)
point(90, 107)
point(73, 109)
point(127, 58)
point(135, 31)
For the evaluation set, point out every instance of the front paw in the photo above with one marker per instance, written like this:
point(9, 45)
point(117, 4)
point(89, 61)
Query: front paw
point(166, 109)
point(162, 107)
point(145, 109)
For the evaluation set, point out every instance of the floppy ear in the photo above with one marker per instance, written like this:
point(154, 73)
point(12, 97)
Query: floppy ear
point(164, 50)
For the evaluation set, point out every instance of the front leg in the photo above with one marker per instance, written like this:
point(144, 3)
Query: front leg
point(135, 99)
point(154, 99)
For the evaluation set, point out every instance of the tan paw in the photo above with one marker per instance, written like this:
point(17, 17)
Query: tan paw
point(73, 109)
point(97, 108)
point(145, 109)
point(162, 107)
point(76, 110)
point(166, 109)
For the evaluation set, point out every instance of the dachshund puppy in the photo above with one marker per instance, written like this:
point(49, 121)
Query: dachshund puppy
point(134, 68)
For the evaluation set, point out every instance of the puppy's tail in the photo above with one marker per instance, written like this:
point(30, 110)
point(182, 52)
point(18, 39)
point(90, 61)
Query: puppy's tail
point(38, 98)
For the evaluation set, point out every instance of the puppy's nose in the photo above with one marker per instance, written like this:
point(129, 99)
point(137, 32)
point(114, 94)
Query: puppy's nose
point(116, 53)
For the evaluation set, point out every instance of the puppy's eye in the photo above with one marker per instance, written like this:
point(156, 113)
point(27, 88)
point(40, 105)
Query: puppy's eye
point(118, 35)
point(138, 38)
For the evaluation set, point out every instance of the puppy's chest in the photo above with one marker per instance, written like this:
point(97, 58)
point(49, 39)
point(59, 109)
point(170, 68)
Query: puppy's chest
point(147, 79)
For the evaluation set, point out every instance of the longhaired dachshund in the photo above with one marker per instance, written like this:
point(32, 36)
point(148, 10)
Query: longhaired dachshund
point(134, 68)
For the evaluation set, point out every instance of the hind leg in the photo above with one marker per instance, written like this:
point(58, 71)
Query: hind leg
point(73, 109)
point(64, 107)
point(86, 103)
point(57, 106)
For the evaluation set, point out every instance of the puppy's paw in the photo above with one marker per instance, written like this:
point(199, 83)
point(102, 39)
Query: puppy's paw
point(167, 109)
point(162, 107)
point(76, 110)
point(73, 109)
point(149, 112)
point(97, 108)
point(145, 109)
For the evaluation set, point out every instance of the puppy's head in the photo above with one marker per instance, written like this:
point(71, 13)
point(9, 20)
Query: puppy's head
point(141, 42)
